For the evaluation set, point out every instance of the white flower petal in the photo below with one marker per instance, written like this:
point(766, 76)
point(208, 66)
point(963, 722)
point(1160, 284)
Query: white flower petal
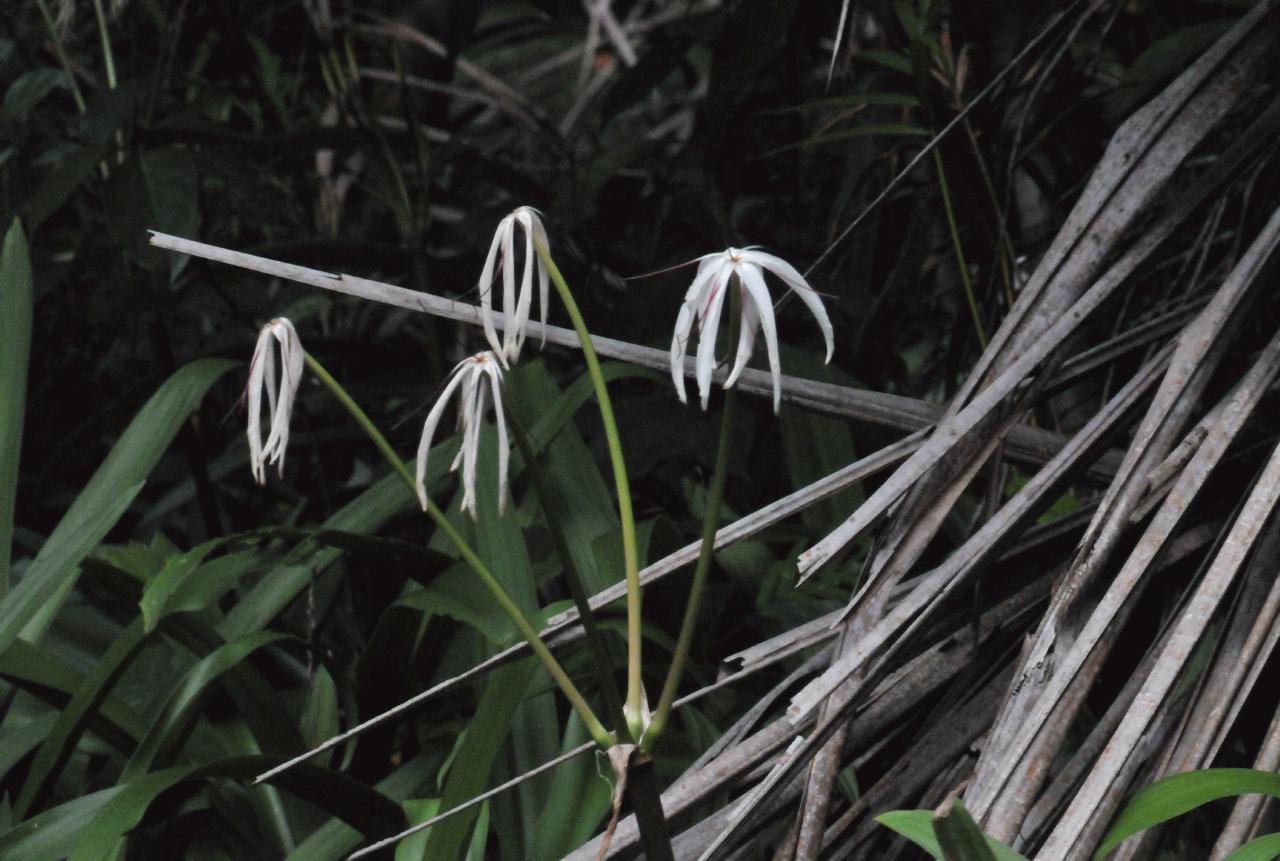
point(504, 448)
point(750, 325)
point(753, 280)
point(690, 311)
point(280, 335)
point(680, 346)
point(257, 377)
point(796, 282)
point(429, 432)
point(511, 320)
point(486, 290)
point(707, 331)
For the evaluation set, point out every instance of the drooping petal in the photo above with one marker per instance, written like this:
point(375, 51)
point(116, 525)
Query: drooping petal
point(473, 396)
point(707, 331)
point(680, 346)
point(429, 431)
point(257, 378)
point(750, 325)
point(689, 313)
point(517, 329)
point(758, 294)
point(511, 320)
point(486, 290)
point(291, 362)
point(504, 448)
point(796, 282)
point(544, 283)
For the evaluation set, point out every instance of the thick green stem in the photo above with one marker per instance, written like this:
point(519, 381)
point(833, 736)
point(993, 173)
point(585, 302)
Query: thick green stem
point(960, 261)
point(633, 709)
point(602, 736)
point(108, 56)
point(56, 40)
point(710, 520)
point(572, 576)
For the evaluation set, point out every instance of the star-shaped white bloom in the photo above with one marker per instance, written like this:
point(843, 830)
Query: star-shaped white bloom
point(515, 306)
point(470, 375)
point(705, 299)
point(280, 394)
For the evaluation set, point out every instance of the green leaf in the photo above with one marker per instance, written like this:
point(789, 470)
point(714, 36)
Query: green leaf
point(335, 839)
point(1176, 795)
point(1263, 848)
point(156, 594)
point(34, 601)
point(53, 833)
point(46, 677)
point(174, 722)
point(73, 720)
point(485, 736)
point(108, 111)
point(918, 827)
point(15, 350)
point(859, 131)
point(889, 59)
point(28, 91)
point(356, 804)
point(156, 190)
point(959, 836)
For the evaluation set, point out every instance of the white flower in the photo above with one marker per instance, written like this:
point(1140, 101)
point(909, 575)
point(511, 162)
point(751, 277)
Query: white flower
point(470, 374)
point(705, 299)
point(515, 307)
point(262, 371)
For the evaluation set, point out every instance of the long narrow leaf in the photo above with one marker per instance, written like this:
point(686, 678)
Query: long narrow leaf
point(15, 348)
point(30, 607)
point(1174, 796)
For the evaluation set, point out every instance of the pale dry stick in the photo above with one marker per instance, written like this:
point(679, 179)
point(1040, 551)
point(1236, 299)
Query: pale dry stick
point(1064, 841)
point(930, 505)
point(1135, 568)
point(942, 744)
point(1140, 158)
point(1020, 775)
point(1224, 685)
point(742, 528)
point(808, 667)
point(1050, 803)
point(950, 432)
point(466, 805)
point(893, 698)
point(1246, 815)
point(936, 139)
point(1025, 444)
point(959, 565)
point(1175, 401)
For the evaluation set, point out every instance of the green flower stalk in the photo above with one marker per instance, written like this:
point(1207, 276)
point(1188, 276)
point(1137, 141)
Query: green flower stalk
point(289, 386)
point(635, 709)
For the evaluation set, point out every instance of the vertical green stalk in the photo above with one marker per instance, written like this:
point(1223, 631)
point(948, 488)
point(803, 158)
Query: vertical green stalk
point(955, 240)
point(710, 519)
point(631, 559)
point(572, 576)
point(108, 57)
point(601, 736)
point(61, 52)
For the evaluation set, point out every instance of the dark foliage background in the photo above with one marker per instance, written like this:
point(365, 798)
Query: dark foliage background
point(387, 140)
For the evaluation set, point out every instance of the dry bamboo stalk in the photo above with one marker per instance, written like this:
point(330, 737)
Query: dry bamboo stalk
point(1120, 593)
point(1025, 444)
point(1247, 812)
point(951, 431)
point(1017, 763)
point(938, 584)
point(1140, 158)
